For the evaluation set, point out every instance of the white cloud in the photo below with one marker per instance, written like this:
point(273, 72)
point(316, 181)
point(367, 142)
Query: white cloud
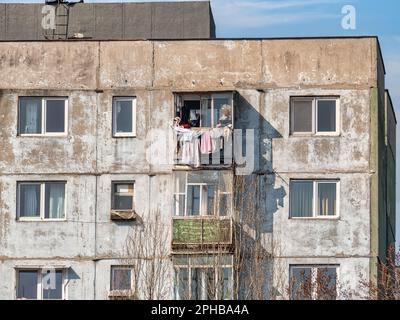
point(256, 14)
point(264, 20)
point(270, 5)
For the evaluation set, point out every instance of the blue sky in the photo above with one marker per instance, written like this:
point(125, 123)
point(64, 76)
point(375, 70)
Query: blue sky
point(289, 18)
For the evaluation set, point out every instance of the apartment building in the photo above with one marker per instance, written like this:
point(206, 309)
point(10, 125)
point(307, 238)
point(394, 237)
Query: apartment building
point(184, 168)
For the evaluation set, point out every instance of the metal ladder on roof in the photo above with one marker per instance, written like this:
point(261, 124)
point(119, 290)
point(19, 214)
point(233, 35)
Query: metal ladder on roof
point(61, 22)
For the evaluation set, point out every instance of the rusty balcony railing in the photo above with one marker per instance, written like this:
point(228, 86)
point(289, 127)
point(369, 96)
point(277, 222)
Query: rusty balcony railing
point(202, 231)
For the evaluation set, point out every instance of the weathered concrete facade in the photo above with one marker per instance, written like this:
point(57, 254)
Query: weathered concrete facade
point(265, 74)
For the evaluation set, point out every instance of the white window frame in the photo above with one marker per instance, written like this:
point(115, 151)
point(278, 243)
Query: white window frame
point(314, 273)
point(39, 282)
point(43, 119)
point(203, 213)
point(123, 267)
point(212, 97)
point(131, 134)
point(314, 115)
point(315, 214)
point(113, 193)
point(202, 201)
point(41, 217)
point(216, 268)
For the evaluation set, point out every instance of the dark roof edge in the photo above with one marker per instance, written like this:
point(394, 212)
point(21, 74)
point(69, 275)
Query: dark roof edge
point(391, 104)
point(202, 39)
point(380, 54)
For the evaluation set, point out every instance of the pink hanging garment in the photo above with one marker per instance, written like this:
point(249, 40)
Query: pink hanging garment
point(206, 144)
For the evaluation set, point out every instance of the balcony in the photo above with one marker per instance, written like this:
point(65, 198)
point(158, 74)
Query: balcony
point(203, 129)
point(200, 232)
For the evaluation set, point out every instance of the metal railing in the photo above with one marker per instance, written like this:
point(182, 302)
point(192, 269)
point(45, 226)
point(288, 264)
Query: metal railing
point(202, 231)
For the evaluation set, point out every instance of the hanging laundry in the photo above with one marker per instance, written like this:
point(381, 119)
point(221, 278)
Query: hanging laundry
point(217, 135)
point(228, 134)
point(196, 153)
point(206, 144)
point(189, 144)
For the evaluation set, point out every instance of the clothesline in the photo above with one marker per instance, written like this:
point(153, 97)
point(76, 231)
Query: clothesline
point(194, 142)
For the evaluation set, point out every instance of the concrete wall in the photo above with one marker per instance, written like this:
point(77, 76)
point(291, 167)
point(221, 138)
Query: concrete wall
point(265, 74)
point(105, 21)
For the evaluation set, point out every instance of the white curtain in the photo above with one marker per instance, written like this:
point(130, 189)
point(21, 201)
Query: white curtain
point(301, 195)
point(29, 205)
point(32, 121)
point(206, 112)
point(56, 200)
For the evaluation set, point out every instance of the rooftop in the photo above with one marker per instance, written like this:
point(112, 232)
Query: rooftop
point(111, 21)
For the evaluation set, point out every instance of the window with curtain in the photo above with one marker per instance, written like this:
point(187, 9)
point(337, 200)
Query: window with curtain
point(182, 283)
point(204, 193)
point(206, 110)
point(224, 285)
point(203, 284)
point(313, 115)
point(39, 115)
point(193, 200)
point(40, 284)
point(313, 198)
point(203, 277)
point(54, 200)
point(200, 199)
point(30, 195)
point(29, 200)
point(301, 199)
point(30, 115)
point(302, 115)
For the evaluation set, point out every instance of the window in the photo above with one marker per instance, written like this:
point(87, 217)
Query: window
point(122, 196)
point(205, 193)
point(41, 200)
point(205, 110)
point(313, 282)
point(314, 115)
point(124, 117)
point(42, 116)
point(121, 278)
point(203, 277)
point(41, 284)
point(318, 198)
